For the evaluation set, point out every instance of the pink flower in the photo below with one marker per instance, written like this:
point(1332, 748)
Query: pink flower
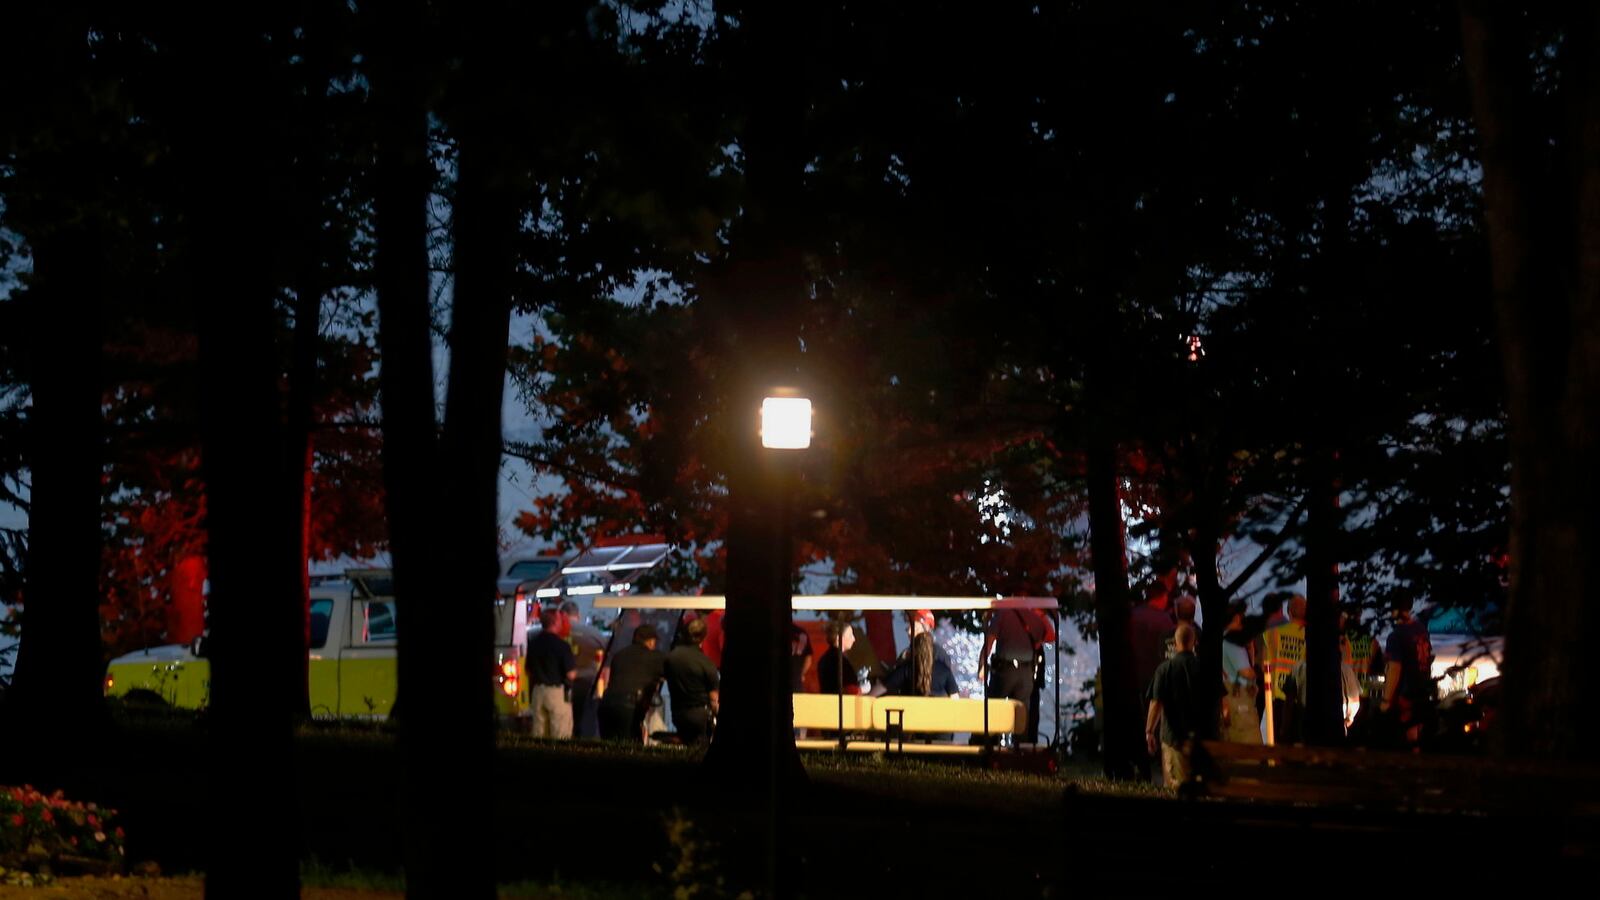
point(94, 820)
point(47, 816)
point(74, 842)
point(118, 832)
point(16, 820)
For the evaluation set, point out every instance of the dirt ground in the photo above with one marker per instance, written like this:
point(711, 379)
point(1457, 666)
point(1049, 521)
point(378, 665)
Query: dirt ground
point(185, 888)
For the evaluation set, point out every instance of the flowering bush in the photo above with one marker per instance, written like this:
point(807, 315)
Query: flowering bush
point(37, 828)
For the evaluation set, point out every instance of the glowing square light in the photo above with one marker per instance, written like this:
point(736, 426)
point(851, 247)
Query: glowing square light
point(786, 423)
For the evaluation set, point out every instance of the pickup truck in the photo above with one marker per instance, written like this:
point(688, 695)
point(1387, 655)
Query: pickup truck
point(352, 653)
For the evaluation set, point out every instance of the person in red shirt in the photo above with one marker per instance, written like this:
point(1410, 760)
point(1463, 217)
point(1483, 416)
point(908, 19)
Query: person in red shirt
point(1014, 636)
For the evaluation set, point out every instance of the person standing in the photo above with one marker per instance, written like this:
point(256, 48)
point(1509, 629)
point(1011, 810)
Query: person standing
point(1283, 646)
point(1012, 635)
point(1240, 720)
point(1037, 692)
point(627, 682)
point(551, 671)
point(1150, 622)
point(1179, 705)
point(588, 645)
point(693, 682)
point(1183, 611)
point(1408, 688)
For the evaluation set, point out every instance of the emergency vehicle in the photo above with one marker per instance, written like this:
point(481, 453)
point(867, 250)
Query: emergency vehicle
point(352, 656)
point(354, 632)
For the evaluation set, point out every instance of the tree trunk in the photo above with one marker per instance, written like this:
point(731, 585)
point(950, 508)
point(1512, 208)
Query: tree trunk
point(1542, 203)
point(1206, 542)
point(256, 621)
point(57, 693)
point(56, 697)
point(297, 471)
point(1122, 711)
point(445, 728)
point(459, 704)
point(1324, 713)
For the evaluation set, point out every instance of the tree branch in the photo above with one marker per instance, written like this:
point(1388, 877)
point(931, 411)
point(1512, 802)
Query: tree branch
point(1267, 551)
point(525, 452)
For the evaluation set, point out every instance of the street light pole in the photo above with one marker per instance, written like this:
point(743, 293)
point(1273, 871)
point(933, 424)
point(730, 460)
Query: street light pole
point(753, 748)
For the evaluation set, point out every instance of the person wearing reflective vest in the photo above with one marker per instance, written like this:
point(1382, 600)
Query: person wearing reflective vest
point(1283, 646)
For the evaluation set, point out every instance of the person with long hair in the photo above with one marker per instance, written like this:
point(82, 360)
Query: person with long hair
point(923, 672)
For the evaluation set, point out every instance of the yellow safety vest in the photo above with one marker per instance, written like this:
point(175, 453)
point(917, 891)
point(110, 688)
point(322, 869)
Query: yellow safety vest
point(1285, 646)
point(1358, 656)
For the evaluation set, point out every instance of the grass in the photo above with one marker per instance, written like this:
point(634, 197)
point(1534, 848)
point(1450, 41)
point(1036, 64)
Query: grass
point(598, 812)
point(609, 802)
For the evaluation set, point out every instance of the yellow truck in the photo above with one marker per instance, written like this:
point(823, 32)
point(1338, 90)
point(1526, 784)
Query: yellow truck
point(354, 626)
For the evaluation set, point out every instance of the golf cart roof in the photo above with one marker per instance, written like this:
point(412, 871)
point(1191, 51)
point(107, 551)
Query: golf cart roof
point(834, 602)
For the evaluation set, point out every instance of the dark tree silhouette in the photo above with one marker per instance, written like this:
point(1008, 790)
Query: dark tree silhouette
point(62, 209)
point(1535, 77)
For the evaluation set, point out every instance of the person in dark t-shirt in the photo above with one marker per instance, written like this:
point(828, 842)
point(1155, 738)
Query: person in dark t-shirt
point(1408, 686)
point(629, 680)
point(1179, 703)
point(693, 681)
point(551, 670)
point(841, 637)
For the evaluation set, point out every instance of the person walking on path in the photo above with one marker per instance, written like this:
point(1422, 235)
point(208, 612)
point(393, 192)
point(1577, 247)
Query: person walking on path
point(551, 670)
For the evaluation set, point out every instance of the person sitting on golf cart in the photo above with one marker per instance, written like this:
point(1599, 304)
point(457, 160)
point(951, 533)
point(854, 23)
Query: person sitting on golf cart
point(923, 672)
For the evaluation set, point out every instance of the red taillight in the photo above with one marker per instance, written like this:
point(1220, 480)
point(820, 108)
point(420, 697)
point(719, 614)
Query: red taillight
point(509, 682)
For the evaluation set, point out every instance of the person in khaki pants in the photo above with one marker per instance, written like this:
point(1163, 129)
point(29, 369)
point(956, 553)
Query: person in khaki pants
point(551, 669)
point(1179, 705)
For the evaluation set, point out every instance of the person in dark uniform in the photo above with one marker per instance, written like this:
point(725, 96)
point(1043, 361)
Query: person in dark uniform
point(628, 682)
point(1012, 635)
point(551, 669)
point(693, 681)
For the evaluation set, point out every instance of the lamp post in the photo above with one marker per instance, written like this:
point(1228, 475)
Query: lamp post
point(752, 750)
